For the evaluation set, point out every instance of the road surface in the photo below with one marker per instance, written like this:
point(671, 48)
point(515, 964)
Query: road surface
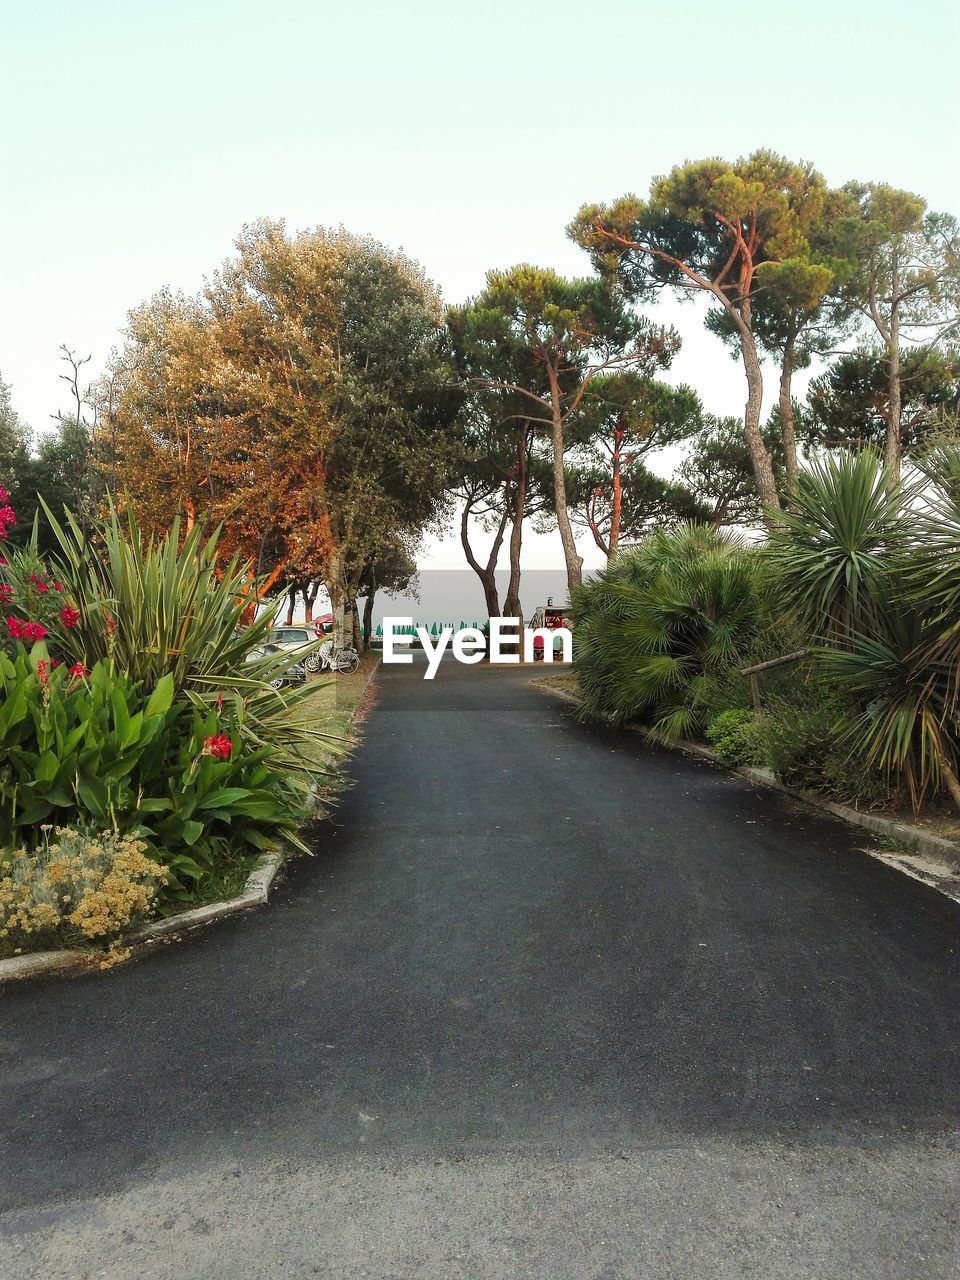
point(546, 1004)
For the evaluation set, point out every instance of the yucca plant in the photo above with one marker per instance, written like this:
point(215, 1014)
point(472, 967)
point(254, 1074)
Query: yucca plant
point(877, 578)
point(907, 724)
point(158, 608)
point(664, 623)
point(832, 552)
point(933, 579)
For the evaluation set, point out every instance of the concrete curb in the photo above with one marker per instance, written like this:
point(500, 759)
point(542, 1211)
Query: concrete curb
point(944, 854)
point(255, 893)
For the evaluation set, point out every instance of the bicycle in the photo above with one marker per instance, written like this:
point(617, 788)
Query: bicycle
point(345, 659)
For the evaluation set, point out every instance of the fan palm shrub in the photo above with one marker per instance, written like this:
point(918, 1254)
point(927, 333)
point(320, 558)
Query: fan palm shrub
point(664, 623)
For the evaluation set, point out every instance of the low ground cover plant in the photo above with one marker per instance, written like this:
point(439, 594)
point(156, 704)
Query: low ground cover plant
point(733, 735)
point(79, 885)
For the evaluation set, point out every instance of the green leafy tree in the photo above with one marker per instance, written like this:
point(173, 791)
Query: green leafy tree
point(627, 416)
point(849, 404)
point(906, 284)
point(727, 231)
point(543, 339)
point(393, 569)
point(718, 471)
point(794, 324)
point(646, 502)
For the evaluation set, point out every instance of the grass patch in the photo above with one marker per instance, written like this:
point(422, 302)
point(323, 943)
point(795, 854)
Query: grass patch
point(565, 681)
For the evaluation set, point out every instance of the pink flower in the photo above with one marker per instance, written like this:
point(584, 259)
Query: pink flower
point(69, 616)
point(219, 746)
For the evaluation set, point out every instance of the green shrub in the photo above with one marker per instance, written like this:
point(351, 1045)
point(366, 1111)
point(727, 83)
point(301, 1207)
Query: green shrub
point(803, 737)
point(662, 631)
point(733, 735)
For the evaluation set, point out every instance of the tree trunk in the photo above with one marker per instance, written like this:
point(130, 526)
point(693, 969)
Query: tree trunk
point(356, 637)
point(309, 600)
point(891, 455)
point(368, 615)
point(511, 605)
point(486, 573)
point(786, 421)
point(573, 561)
point(291, 605)
point(336, 587)
point(759, 454)
point(617, 498)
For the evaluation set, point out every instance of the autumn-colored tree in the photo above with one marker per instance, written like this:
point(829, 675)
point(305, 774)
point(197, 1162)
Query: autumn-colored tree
point(727, 231)
point(298, 400)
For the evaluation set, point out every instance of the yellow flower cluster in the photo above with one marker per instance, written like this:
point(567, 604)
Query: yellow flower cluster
point(76, 884)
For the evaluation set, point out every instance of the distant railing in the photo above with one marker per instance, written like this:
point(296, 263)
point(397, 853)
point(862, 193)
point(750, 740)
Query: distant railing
point(752, 672)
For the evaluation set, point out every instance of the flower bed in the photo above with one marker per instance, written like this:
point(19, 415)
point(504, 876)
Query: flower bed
point(151, 766)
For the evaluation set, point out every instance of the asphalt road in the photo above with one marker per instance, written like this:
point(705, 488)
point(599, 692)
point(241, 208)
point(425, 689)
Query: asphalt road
point(546, 1004)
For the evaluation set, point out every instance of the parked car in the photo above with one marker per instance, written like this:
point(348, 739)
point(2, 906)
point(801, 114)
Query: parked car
point(295, 674)
point(290, 639)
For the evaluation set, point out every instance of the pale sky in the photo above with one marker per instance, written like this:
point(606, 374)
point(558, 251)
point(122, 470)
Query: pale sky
point(138, 138)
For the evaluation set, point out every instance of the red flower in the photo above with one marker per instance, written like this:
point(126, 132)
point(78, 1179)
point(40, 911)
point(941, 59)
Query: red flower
point(43, 674)
point(109, 625)
point(31, 631)
point(42, 586)
point(218, 746)
point(219, 701)
point(58, 586)
point(7, 519)
point(6, 591)
point(78, 670)
point(13, 628)
point(69, 616)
